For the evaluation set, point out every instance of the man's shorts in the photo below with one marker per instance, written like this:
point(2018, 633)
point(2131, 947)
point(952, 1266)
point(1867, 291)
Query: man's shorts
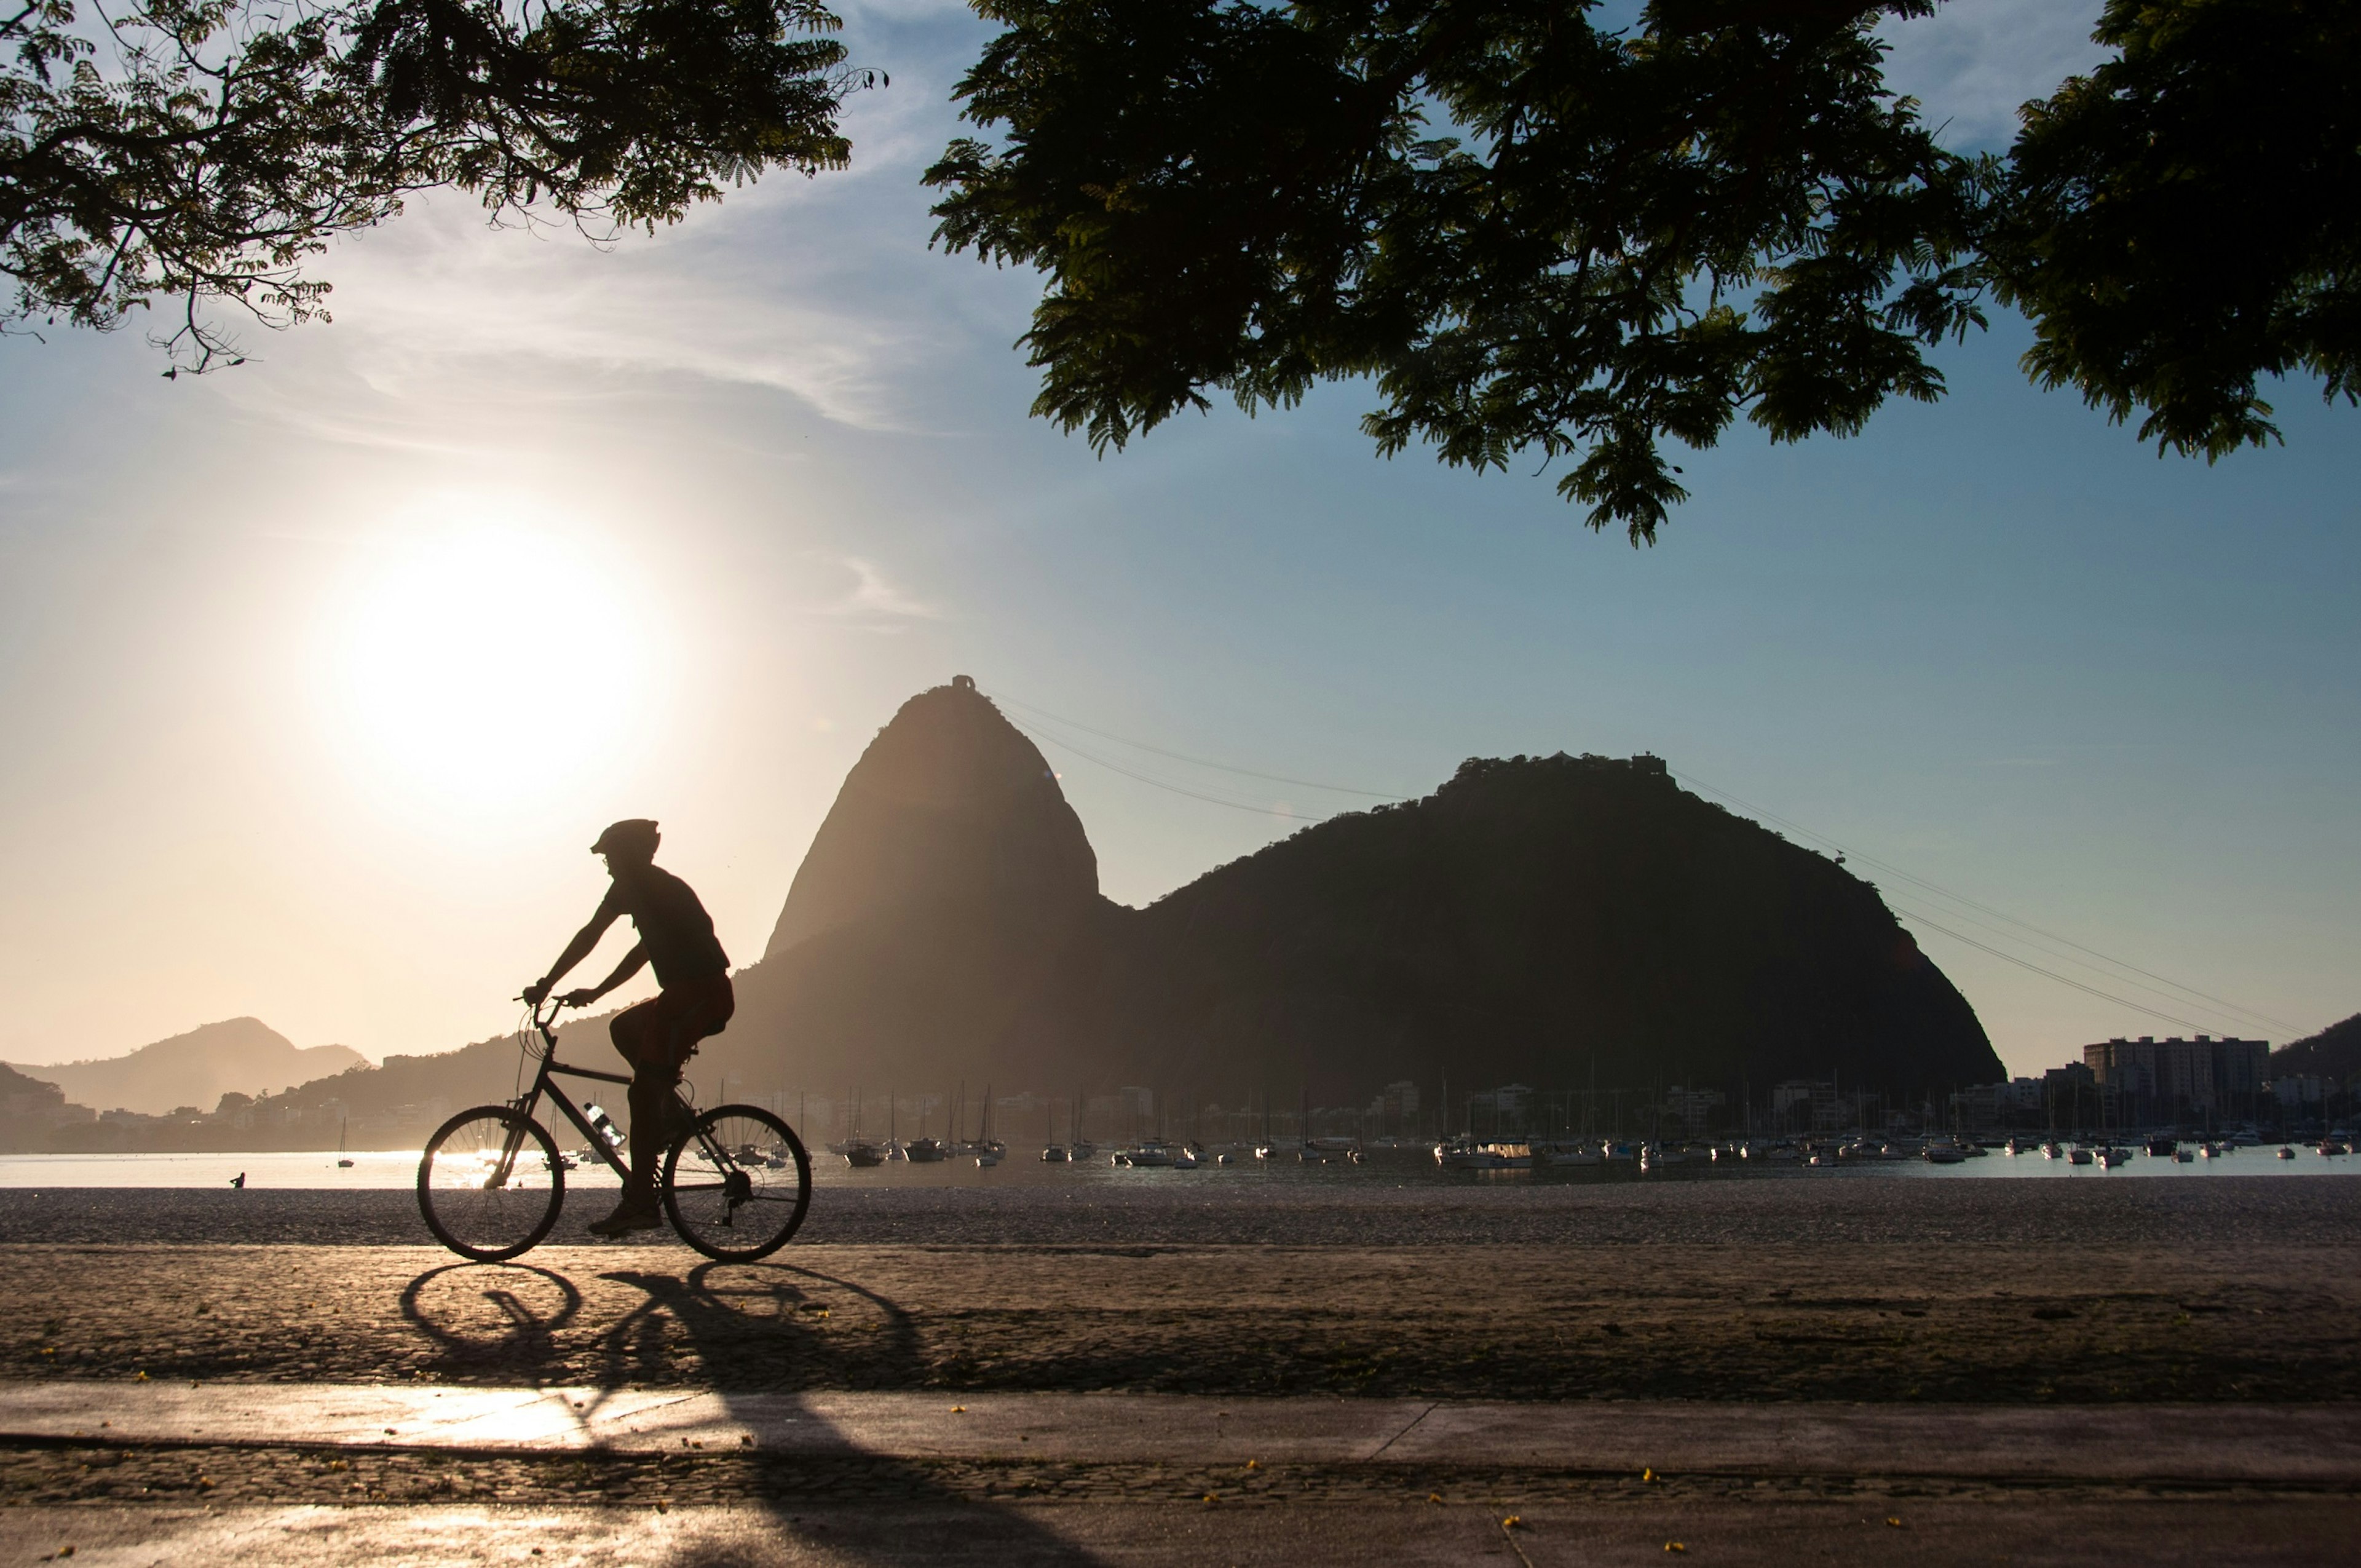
point(662, 1032)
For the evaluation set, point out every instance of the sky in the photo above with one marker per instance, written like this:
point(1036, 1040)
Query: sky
point(317, 676)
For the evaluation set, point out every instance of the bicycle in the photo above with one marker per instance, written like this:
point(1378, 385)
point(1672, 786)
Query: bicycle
point(491, 1180)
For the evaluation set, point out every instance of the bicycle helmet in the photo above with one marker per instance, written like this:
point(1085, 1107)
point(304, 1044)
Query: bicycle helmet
point(633, 835)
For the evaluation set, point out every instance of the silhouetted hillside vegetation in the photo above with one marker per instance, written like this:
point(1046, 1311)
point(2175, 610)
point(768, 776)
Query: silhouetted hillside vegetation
point(1529, 920)
point(2334, 1052)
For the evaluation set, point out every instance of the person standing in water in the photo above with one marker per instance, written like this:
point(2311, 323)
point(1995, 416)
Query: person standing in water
point(657, 1037)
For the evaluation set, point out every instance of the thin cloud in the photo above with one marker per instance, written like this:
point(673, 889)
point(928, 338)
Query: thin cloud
point(1972, 64)
point(451, 298)
point(874, 600)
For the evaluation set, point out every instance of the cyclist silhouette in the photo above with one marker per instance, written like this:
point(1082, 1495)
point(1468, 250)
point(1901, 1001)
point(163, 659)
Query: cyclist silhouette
point(658, 1036)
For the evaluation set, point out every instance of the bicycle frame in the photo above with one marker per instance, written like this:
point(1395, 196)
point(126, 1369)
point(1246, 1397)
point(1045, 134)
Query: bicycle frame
point(543, 1086)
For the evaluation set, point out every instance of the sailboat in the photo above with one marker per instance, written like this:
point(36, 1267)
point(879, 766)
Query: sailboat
point(988, 1151)
point(341, 1128)
point(923, 1150)
point(859, 1151)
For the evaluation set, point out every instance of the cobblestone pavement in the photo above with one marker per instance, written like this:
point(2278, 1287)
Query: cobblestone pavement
point(2254, 1322)
point(944, 1533)
point(69, 1473)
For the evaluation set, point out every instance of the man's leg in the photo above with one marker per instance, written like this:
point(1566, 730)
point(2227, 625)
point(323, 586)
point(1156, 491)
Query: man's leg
point(655, 1073)
point(642, 1039)
point(657, 1037)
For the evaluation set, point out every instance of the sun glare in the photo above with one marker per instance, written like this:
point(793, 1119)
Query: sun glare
point(483, 665)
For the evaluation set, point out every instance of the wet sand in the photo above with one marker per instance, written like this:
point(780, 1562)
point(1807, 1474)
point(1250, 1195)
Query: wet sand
point(1715, 1323)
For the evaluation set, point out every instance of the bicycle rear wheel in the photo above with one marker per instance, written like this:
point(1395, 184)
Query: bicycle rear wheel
point(737, 1186)
point(490, 1183)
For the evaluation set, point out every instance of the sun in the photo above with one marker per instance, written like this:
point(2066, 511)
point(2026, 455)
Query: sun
point(483, 664)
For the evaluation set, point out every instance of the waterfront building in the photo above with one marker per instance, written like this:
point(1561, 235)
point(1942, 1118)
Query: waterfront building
point(1807, 1105)
point(1691, 1109)
point(2295, 1092)
point(1395, 1108)
point(2018, 1102)
point(2163, 1080)
point(1502, 1112)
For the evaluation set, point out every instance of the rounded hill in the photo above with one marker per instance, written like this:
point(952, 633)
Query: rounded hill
point(1542, 919)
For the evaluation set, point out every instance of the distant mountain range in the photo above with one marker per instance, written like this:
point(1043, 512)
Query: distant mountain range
point(1560, 921)
point(241, 1055)
point(1554, 920)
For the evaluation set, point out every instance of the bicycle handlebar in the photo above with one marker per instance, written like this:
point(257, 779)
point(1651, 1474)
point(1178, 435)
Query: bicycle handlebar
point(556, 1004)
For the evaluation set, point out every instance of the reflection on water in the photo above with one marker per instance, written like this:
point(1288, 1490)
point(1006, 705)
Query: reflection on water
point(1385, 1168)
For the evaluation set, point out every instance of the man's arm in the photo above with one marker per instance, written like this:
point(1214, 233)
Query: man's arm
point(576, 950)
point(630, 965)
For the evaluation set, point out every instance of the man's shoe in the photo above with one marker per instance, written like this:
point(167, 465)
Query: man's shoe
point(627, 1217)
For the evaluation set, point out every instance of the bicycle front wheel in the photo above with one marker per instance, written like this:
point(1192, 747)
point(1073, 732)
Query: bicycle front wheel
point(738, 1185)
point(490, 1183)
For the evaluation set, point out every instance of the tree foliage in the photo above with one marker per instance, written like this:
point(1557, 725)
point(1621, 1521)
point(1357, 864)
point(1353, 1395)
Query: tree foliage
point(2188, 217)
point(1534, 230)
point(203, 151)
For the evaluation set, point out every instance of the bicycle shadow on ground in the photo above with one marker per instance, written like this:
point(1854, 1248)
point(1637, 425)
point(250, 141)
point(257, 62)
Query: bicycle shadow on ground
point(522, 1311)
point(735, 1330)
